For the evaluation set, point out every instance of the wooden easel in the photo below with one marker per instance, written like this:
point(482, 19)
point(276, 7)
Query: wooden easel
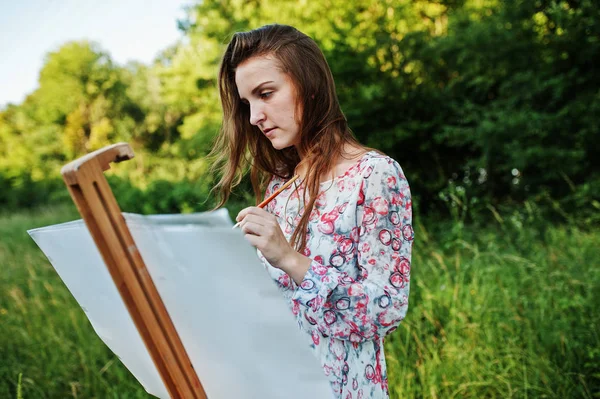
point(98, 207)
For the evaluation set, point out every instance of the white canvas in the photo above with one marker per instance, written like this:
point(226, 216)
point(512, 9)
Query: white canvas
point(234, 324)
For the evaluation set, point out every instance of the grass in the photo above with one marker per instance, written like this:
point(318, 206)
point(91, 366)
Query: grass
point(502, 312)
point(44, 335)
point(507, 311)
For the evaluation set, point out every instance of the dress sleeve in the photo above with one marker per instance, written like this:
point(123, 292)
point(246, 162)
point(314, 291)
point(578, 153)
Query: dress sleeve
point(373, 304)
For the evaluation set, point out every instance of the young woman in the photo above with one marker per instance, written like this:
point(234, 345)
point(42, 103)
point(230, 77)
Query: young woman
point(338, 241)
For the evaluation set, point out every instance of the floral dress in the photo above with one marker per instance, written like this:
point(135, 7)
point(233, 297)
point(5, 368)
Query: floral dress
point(359, 239)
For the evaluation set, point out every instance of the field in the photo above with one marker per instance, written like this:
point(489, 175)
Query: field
point(505, 311)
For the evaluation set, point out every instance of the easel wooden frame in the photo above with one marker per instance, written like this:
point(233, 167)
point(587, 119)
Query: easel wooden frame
point(98, 207)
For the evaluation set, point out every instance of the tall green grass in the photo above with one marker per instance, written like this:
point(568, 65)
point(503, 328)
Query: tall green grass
point(509, 310)
point(505, 311)
point(44, 334)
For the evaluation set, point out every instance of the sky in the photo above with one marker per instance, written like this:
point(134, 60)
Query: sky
point(127, 29)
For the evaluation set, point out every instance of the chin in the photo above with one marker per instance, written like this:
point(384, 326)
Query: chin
point(279, 145)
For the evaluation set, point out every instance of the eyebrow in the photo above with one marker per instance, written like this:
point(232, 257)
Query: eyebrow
point(257, 88)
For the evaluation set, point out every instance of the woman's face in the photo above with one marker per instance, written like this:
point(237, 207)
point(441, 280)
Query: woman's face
point(271, 96)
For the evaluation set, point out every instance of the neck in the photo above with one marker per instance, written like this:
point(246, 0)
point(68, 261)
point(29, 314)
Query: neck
point(301, 154)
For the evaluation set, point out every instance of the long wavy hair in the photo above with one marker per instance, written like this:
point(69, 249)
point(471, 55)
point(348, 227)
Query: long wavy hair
point(324, 131)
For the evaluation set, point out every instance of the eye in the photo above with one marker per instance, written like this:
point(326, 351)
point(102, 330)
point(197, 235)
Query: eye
point(265, 94)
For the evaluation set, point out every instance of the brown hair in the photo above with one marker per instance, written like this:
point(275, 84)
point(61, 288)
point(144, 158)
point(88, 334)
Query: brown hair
point(323, 126)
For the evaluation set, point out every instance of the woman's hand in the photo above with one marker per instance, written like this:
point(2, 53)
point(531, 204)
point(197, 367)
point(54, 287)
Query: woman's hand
point(263, 232)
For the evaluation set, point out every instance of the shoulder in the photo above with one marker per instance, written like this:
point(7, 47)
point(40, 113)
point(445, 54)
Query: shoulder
point(375, 164)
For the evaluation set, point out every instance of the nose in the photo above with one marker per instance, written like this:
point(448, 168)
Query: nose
point(257, 114)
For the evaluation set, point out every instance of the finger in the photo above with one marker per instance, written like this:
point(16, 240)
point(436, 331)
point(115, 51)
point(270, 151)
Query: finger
point(255, 241)
point(254, 210)
point(253, 228)
point(248, 219)
point(258, 219)
point(240, 216)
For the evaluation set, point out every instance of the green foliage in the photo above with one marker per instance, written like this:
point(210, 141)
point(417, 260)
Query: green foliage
point(505, 311)
point(498, 98)
point(83, 93)
point(161, 196)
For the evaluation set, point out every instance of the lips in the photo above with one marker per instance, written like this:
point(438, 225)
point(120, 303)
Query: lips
point(267, 131)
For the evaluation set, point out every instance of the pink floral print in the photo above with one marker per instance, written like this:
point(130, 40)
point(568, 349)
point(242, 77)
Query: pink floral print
point(359, 239)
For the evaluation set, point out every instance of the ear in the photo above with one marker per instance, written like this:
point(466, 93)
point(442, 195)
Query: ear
point(313, 96)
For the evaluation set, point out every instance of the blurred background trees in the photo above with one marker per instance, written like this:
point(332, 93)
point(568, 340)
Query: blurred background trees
point(485, 104)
